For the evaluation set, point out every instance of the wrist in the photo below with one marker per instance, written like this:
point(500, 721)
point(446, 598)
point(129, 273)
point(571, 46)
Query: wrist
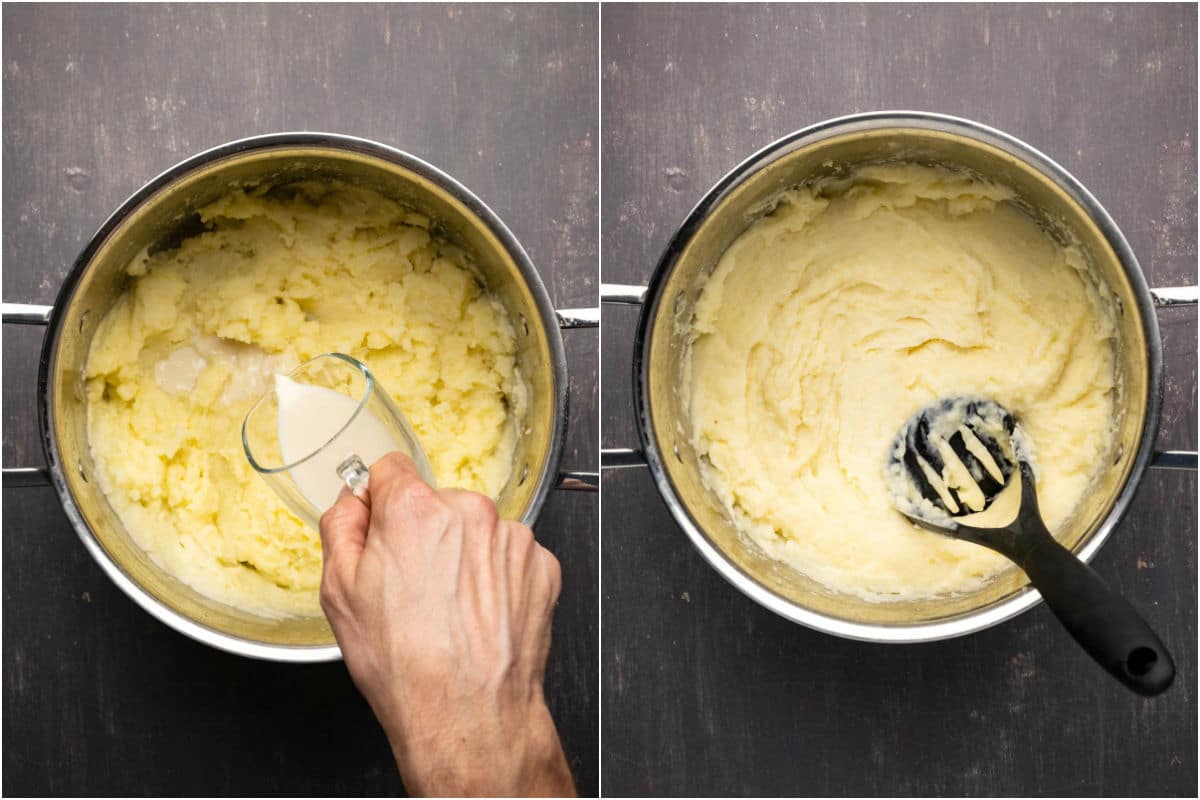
point(549, 774)
point(515, 754)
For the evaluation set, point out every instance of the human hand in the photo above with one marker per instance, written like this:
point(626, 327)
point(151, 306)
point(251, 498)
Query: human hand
point(443, 612)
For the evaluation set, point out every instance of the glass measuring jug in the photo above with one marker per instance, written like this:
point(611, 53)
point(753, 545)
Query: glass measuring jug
point(319, 428)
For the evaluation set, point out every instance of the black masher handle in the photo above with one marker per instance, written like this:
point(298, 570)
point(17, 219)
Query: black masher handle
point(1104, 623)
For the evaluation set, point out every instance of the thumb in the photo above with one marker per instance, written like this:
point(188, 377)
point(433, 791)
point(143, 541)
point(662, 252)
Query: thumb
point(343, 536)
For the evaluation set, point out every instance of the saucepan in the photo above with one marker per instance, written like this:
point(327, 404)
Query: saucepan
point(160, 213)
point(1049, 194)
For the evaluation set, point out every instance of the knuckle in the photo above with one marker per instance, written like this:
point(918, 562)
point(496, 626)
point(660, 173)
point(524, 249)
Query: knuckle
point(425, 507)
point(388, 458)
point(331, 597)
point(480, 508)
point(334, 517)
point(418, 494)
point(413, 501)
point(393, 460)
point(553, 571)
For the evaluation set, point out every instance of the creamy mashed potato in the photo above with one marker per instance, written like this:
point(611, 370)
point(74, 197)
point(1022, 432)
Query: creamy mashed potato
point(279, 278)
point(850, 306)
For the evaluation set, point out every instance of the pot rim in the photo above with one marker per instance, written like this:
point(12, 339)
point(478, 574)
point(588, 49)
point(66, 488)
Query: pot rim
point(971, 622)
point(287, 139)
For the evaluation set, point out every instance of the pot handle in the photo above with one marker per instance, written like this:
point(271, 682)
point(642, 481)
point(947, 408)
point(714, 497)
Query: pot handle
point(572, 319)
point(1165, 297)
point(25, 314)
point(624, 294)
point(1172, 297)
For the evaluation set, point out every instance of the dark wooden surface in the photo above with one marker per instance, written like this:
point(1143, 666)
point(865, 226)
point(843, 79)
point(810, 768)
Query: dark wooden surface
point(99, 698)
point(705, 692)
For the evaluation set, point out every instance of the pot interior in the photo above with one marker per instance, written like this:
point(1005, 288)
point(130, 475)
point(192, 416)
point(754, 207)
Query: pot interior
point(694, 255)
point(165, 213)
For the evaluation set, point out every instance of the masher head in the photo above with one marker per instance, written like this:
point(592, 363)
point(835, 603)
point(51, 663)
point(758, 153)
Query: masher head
point(952, 458)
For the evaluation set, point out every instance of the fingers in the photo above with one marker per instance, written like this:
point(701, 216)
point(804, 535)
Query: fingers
point(343, 535)
point(484, 547)
point(530, 563)
point(536, 571)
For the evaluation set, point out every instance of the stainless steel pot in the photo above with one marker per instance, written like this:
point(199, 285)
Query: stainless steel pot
point(160, 213)
point(1057, 201)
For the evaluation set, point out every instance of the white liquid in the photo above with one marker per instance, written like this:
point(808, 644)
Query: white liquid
point(309, 416)
point(250, 368)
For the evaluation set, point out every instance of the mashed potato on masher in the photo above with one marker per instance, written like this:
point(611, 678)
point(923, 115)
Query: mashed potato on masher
point(277, 278)
point(846, 309)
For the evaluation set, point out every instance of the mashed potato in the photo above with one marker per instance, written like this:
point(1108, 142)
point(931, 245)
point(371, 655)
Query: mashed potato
point(837, 316)
point(276, 279)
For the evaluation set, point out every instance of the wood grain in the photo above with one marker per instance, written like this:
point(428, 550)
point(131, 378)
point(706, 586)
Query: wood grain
point(704, 692)
point(99, 698)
